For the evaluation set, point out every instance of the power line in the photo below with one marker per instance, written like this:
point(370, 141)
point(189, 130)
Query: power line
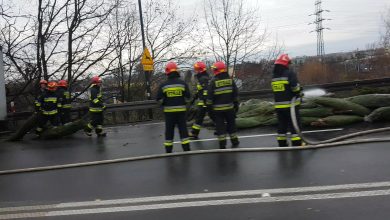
point(319, 27)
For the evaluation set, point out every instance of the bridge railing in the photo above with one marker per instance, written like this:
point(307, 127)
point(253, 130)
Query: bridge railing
point(137, 111)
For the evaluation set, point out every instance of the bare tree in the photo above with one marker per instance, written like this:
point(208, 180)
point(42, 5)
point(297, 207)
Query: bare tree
point(234, 33)
point(16, 38)
point(86, 43)
point(50, 18)
point(168, 34)
point(385, 37)
point(124, 26)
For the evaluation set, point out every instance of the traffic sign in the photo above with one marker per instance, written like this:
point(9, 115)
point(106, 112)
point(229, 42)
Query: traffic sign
point(146, 58)
point(148, 67)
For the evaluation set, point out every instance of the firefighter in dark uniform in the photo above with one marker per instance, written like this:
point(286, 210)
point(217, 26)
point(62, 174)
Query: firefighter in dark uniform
point(203, 79)
point(96, 108)
point(285, 86)
point(64, 96)
point(173, 94)
point(42, 90)
point(222, 99)
point(49, 104)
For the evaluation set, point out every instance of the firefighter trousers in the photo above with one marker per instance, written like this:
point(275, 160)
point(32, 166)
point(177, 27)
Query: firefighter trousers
point(43, 119)
point(225, 122)
point(199, 118)
point(171, 120)
point(96, 122)
point(65, 115)
point(285, 125)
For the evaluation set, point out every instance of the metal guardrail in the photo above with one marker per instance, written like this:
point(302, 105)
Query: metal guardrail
point(151, 104)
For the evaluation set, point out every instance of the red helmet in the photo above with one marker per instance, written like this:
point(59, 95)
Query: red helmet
point(200, 67)
point(96, 80)
point(283, 59)
point(43, 82)
point(218, 67)
point(170, 68)
point(52, 86)
point(63, 83)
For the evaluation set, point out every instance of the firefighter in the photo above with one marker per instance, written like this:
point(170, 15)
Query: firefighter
point(96, 108)
point(222, 99)
point(203, 79)
point(42, 90)
point(173, 94)
point(42, 85)
point(64, 96)
point(285, 86)
point(49, 104)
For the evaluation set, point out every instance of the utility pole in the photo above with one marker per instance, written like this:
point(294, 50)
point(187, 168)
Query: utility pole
point(3, 102)
point(319, 28)
point(146, 73)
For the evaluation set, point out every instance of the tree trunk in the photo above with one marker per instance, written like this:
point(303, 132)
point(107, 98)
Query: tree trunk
point(26, 127)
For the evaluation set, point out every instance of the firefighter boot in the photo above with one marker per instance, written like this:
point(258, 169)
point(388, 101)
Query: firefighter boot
point(282, 140)
point(102, 134)
point(222, 141)
point(38, 132)
point(99, 131)
point(168, 146)
point(88, 130)
point(194, 134)
point(296, 142)
point(234, 140)
point(168, 149)
point(186, 147)
point(282, 143)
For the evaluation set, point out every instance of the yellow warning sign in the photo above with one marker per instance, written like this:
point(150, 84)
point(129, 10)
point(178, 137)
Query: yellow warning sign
point(148, 67)
point(146, 58)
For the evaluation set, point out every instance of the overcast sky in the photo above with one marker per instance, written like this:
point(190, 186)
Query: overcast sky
point(354, 24)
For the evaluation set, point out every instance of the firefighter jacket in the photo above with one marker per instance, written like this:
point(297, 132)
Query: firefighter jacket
point(49, 103)
point(222, 93)
point(37, 103)
point(64, 96)
point(285, 86)
point(96, 99)
point(173, 95)
point(201, 89)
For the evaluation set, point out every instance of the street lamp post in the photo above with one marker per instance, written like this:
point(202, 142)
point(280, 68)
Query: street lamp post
point(3, 103)
point(146, 73)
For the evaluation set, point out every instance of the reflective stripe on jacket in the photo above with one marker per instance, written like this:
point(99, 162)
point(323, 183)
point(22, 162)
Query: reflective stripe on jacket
point(48, 103)
point(285, 86)
point(96, 99)
point(201, 87)
point(173, 94)
point(222, 93)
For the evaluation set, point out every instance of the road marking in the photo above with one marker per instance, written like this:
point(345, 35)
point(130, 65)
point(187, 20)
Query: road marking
point(263, 135)
point(219, 202)
point(173, 198)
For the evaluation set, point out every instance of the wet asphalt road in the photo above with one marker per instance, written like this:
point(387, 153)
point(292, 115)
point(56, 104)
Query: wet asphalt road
point(197, 174)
